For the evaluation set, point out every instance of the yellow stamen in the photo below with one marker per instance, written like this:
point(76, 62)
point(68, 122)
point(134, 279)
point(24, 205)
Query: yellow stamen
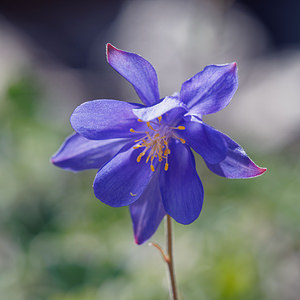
point(149, 125)
point(155, 142)
point(133, 195)
point(178, 138)
point(141, 155)
point(167, 151)
point(150, 155)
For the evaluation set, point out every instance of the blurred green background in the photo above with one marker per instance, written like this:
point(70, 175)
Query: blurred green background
point(58, 242)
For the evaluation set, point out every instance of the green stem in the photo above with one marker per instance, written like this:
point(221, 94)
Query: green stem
point(170, 259)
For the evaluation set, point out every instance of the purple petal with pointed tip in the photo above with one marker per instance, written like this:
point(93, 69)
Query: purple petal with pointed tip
point(138, 71)
point(78, 153)
point(210, 90)
point(147, 212)
point(236, 163)
point(205, 140)
point(180, 186)
point(122, 180)
point(105, 119)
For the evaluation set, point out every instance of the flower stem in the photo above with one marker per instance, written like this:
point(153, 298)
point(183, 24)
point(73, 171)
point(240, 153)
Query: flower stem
point(170, 259)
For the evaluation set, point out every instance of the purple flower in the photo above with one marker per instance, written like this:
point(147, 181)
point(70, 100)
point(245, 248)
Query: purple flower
point(143, 151)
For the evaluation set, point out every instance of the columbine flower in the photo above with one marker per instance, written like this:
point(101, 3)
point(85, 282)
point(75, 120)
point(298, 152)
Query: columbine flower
point(143, 151)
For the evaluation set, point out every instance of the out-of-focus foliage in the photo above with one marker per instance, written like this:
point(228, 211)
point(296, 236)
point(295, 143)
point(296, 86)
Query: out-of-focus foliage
point(58, 242)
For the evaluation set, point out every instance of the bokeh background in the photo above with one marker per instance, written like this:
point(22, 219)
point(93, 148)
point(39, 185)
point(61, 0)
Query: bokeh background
point(57, 241)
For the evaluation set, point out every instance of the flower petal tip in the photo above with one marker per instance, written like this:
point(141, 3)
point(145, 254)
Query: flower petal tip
point(137, 241)
point(262, 171)
point(233, 67)
point(258, 172)
point(55, 160)
point(52, 160)
point(109, 49)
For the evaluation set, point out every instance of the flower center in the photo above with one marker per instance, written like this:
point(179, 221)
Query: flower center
point(155, 142)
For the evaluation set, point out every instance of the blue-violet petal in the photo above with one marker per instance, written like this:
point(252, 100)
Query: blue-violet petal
point(78, 153)
point(204, 139)
point(180, 186)
point(210, 90)
point(236, 164)
point(105, 119)
point(122, 180)
point(147, 212)
point(157, 110)
point(138, 71)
